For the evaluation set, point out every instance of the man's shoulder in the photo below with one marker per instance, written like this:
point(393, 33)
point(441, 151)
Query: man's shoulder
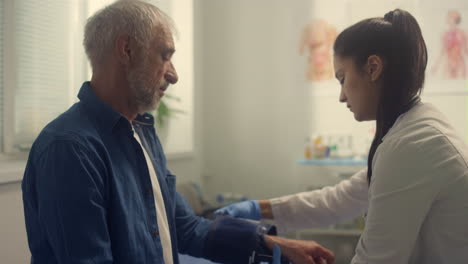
point(74, 126)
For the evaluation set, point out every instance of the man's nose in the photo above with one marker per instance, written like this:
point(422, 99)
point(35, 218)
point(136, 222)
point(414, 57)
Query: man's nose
point(171, 75)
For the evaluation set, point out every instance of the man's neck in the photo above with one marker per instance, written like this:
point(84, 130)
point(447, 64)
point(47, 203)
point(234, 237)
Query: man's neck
point(113, 90)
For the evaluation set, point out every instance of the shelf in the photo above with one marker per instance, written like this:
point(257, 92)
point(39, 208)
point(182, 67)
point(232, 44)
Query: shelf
point(339, 162)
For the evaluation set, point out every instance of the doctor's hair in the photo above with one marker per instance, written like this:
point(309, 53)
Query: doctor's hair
point(139, 20)
point(397, 40)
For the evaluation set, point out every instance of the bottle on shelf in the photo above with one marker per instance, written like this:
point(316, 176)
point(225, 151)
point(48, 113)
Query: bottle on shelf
point(319, 148)
point(308, 149)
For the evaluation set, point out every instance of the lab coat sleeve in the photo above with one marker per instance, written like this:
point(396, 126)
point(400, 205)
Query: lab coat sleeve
point(323, 207)
point(401, 192)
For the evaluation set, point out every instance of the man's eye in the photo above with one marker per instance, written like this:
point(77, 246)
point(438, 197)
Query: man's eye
point(342, 81)
point(166, 56)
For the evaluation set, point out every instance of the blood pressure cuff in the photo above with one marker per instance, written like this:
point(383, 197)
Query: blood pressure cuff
point(237, 241)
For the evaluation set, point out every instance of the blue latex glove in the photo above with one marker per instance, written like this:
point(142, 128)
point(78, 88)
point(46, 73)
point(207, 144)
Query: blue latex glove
point(276, 254)
point(246, 209)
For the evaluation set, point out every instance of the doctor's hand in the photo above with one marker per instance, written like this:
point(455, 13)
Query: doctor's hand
point(299, 252)
point(246, 209)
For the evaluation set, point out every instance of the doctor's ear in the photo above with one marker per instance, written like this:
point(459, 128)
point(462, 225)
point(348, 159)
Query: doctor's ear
point(374, 67)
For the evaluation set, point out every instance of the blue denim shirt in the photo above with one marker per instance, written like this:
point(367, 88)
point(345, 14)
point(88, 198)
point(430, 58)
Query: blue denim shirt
point(88, 196)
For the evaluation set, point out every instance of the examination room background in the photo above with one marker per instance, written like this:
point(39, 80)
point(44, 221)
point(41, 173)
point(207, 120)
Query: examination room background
point(248, 105)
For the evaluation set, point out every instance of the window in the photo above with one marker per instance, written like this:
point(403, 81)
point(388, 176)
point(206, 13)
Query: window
point(41, 42)
point(1, 76)
point(40, 82)
point(43, 34)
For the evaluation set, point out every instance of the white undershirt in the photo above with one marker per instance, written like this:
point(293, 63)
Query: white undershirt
point(163, 225)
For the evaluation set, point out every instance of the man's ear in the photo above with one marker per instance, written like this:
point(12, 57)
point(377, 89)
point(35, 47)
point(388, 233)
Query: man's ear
point(123, 50)
point(374, 67)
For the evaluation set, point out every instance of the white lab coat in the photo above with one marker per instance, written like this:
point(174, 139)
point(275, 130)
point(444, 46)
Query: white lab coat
point(417, 202)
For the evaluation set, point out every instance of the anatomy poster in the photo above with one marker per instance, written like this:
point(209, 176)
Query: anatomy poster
point(318, 24)
point(445, 28)
point(316, 45)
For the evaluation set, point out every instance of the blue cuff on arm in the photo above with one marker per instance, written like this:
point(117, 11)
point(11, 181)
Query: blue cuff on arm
point(233, 240)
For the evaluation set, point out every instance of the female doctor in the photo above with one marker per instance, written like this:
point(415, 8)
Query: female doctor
point(415, 187)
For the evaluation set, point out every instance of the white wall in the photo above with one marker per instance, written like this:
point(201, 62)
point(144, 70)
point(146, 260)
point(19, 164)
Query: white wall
point(255, 111)
point(13, 242)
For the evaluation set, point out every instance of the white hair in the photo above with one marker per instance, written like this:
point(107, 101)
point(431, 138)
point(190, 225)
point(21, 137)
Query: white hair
point(135, 18)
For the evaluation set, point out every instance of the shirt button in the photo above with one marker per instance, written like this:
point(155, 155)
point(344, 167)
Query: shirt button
point(155, 233)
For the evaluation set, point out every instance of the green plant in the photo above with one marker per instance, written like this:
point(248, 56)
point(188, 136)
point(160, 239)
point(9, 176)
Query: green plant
point(164, 111)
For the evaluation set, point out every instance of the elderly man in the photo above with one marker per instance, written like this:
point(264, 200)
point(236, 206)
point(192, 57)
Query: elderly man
point(96, 188)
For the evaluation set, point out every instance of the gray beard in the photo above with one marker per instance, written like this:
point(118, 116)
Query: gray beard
point(143, 98)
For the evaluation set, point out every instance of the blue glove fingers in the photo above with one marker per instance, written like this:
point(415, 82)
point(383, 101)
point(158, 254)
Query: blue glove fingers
point(247, 209)
point(276, 254)
point(223, 211)
point(231, 210)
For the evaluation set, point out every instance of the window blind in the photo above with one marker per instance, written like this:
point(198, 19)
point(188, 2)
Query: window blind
point(44, 65)
point(1, 75)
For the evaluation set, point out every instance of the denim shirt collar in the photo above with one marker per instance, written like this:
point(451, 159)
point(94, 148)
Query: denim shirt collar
point(109, 120)
point(144, 119)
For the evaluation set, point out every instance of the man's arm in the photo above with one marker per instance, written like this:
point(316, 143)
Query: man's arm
point(231, 240)
point(191, 229)
point(70, 197)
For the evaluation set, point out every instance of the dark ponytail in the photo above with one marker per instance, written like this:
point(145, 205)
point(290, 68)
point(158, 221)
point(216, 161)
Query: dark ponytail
point(397, 39)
